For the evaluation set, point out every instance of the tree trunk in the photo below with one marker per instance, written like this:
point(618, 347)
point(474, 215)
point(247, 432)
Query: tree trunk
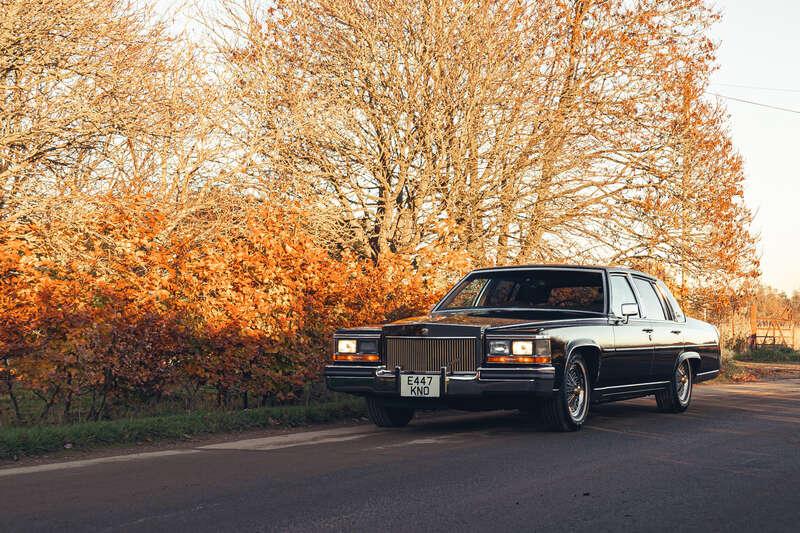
point(13, 397)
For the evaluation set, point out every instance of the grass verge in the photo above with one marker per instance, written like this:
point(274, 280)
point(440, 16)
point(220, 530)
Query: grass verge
point(38, 440)
point(736, 373)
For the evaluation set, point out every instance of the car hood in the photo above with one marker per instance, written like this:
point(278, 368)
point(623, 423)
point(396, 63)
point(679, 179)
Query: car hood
point(472, 322)
point(460, 319)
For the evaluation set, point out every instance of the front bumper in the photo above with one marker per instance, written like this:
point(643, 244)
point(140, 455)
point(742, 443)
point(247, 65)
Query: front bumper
point(528, 381)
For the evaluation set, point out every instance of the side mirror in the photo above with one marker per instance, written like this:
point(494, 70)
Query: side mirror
point(629, 310)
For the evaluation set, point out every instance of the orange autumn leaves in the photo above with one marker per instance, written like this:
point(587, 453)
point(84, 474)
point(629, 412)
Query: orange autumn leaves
point(152, 190)
point(138, 309)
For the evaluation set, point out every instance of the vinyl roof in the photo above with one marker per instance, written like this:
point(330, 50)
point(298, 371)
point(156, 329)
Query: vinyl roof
point(565, 266)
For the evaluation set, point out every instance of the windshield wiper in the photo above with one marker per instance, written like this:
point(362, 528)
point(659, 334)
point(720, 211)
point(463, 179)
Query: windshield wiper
point(518, 309)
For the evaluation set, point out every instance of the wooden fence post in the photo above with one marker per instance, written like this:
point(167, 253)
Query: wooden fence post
point(753, 326)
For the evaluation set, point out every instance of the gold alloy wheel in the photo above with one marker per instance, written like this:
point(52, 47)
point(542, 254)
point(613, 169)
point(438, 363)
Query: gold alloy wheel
point(575, 385)
point(683, 382)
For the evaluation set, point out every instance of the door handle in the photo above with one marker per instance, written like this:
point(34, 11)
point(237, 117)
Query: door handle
point(648, 330)
point(676, 331)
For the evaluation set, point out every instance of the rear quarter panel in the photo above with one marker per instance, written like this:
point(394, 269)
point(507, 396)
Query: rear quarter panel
point(702, 338)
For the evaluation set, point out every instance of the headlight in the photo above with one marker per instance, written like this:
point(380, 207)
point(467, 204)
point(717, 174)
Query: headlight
point(519, 351)
point(522, 347)
point(346, 346)
point(368, 346)
point(499, 347)
point(357, 351)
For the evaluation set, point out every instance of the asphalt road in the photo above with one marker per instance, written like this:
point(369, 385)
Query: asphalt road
point(732, 462)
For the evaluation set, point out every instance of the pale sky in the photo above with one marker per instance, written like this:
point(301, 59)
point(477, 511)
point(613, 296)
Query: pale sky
point(759, 47)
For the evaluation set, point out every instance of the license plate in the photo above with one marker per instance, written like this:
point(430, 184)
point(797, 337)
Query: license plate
point(419, 385)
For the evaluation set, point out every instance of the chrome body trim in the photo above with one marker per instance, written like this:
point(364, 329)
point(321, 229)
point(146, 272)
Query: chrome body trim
point(505, 380)
point(515, 336)
point(631, 385)
point(462, 377)
point(687, 347)
point(468, 376)
point(519, 368)
point(384, 373)
point(423, 337)
point(430, 354)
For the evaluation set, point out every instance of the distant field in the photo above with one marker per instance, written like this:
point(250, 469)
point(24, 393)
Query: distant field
point(777, 354)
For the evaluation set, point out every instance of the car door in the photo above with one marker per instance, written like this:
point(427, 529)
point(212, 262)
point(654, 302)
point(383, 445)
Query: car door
point(664, 360)
point(631, 360)
point(656, 323)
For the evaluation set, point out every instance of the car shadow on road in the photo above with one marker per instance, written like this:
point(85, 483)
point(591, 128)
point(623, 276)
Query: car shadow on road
point(519, 421)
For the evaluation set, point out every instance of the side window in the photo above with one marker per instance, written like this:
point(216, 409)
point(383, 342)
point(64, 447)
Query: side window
point(673, 303)
point(650, 300)
point(621, 293)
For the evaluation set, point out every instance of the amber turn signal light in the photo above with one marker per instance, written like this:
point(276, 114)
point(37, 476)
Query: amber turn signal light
point(518, 359)
point(357, 357)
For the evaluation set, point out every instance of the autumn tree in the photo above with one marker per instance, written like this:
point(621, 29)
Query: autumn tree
point(98, 96)
point(178, 216)
point(511, 131)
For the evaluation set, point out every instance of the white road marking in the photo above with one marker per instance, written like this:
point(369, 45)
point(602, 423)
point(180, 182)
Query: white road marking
point(628, 432)
point(448, 438)
point(89, 462)
point(415, 442)
point(290, 440)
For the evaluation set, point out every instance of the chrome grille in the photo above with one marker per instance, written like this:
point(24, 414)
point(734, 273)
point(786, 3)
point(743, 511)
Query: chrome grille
point(430, 354)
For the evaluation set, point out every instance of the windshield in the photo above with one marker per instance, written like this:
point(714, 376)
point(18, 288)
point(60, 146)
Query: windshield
point(558, 290)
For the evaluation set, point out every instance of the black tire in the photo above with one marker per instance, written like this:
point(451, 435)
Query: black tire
point(562, 413)
point(387, 417)
point(678, 394)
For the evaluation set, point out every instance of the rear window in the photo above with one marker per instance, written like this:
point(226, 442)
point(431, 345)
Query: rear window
point(650, 300)
point(530, 289)
point(676, 309)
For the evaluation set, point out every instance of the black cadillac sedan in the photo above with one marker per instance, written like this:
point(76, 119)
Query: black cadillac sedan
point(545, 339)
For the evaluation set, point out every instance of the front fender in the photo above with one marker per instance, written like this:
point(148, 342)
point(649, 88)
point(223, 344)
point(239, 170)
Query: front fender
point(574, 344)
point(593, 348)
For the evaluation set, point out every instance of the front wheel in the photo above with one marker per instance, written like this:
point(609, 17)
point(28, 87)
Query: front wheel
point(387, 417)
point(678, 394)
point(568, 410)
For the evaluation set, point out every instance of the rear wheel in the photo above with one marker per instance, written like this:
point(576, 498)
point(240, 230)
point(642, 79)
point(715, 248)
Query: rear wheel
point(387, 417)
point(678, 394)
point(568, 410)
